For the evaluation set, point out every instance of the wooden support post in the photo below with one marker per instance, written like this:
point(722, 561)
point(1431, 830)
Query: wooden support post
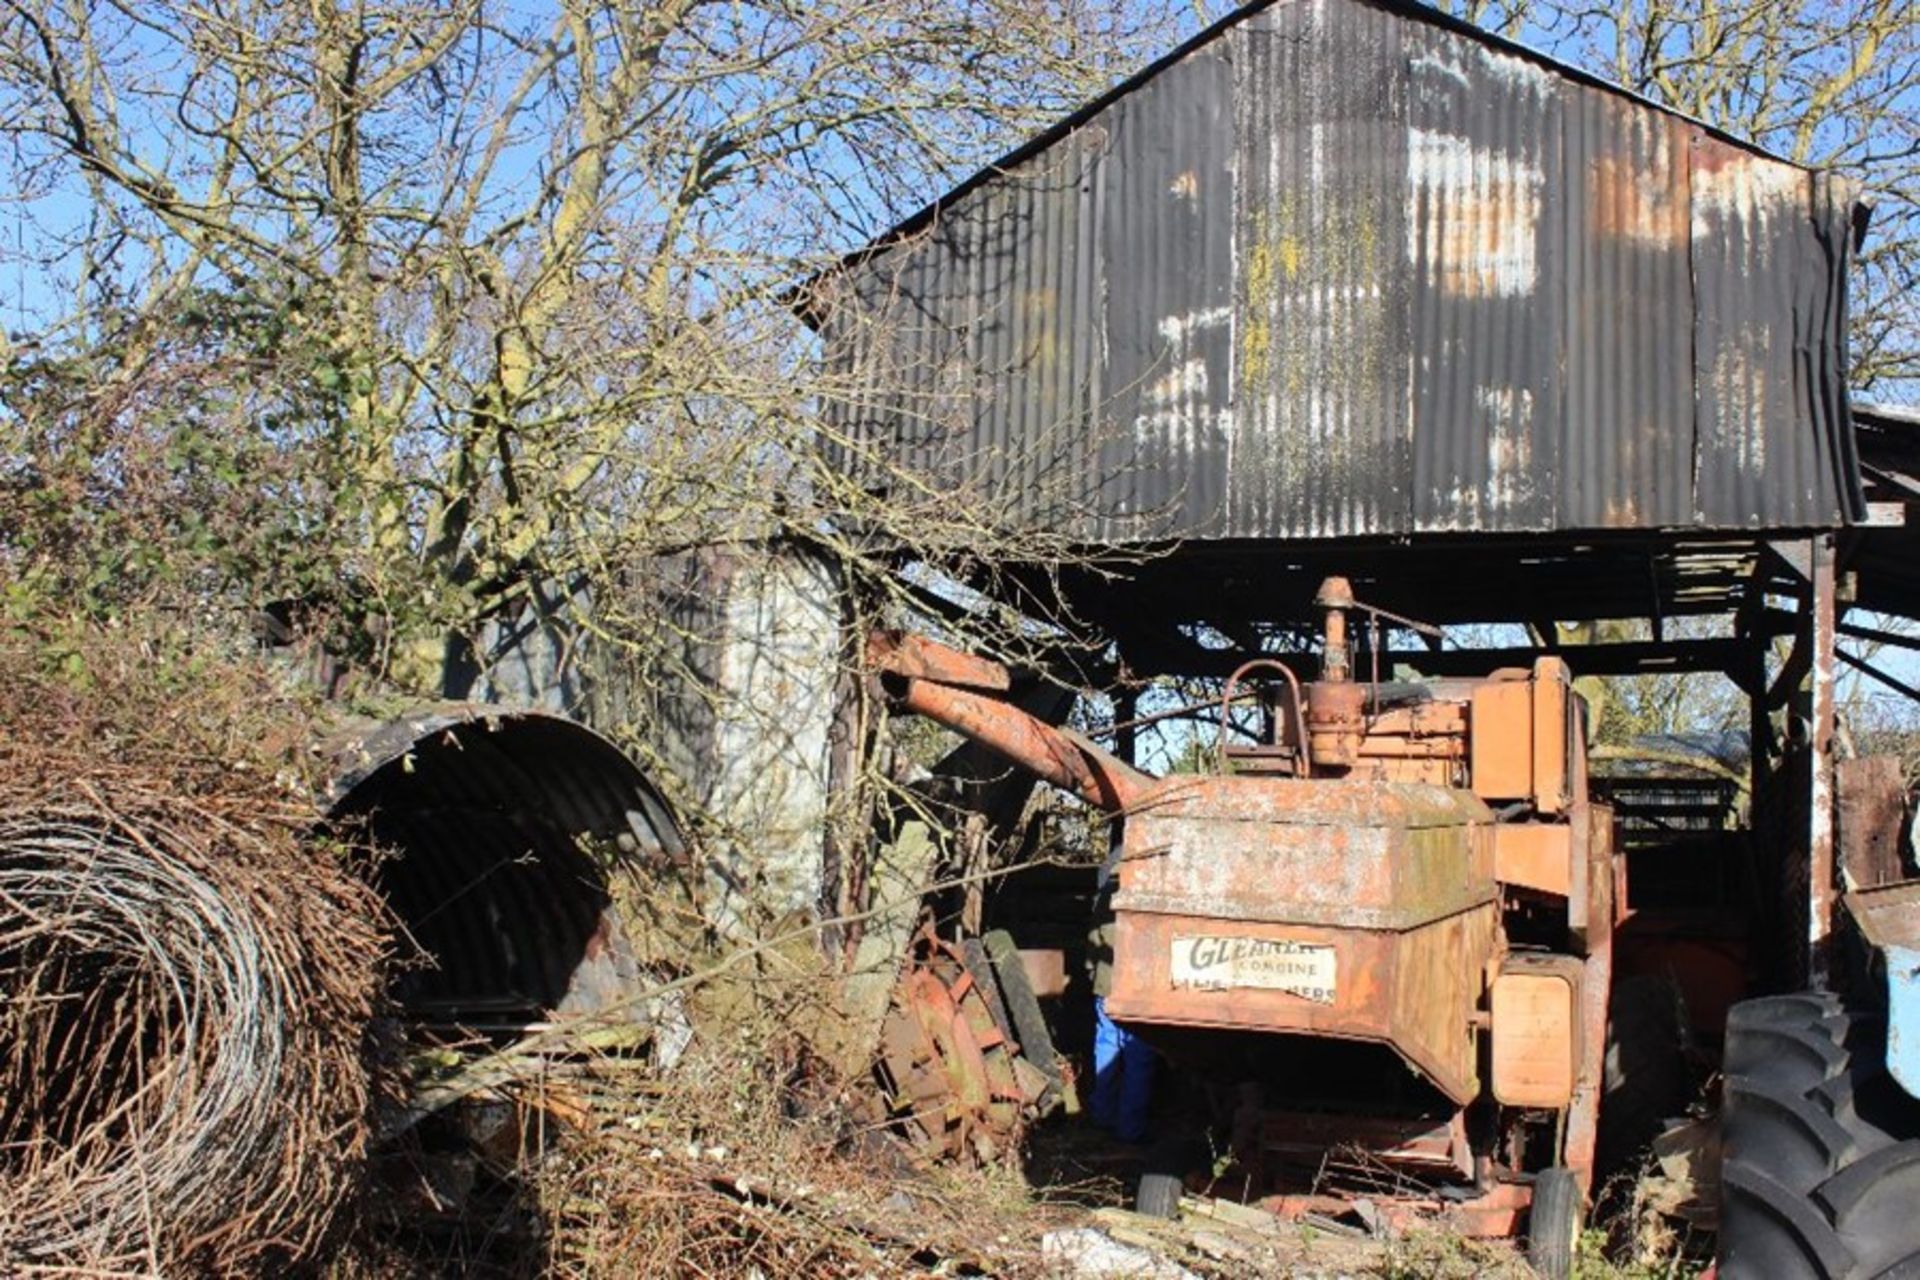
point(1760, 744)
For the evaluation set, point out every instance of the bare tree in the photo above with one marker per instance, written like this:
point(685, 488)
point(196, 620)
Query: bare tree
point(517, 269)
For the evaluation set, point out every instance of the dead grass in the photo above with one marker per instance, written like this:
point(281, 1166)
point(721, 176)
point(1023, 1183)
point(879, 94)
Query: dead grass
point(1640, 1239)
point(747, 1158)
point(751, 1158)
point(1438, 1255)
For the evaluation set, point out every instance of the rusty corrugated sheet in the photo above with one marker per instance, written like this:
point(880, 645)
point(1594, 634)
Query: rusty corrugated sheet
point(1167, 334)
point(1323, 337)
point(1767, 304)
point(1625, 414)
point(1346, 268)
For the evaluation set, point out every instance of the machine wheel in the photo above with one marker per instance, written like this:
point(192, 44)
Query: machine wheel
point(1553, 1223)
point(1158, 1195)
point(951, 1077)
point(1819, 1174)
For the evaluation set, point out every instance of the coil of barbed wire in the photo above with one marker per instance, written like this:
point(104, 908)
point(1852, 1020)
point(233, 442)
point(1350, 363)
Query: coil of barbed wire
point(181, 1043)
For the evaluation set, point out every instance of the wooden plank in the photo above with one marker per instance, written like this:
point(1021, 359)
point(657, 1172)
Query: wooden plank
point(1870, 801)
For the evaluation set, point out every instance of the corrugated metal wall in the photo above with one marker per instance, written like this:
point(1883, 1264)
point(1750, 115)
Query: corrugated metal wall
point(1344, 269)
point(1324, 339)
point(511, 835)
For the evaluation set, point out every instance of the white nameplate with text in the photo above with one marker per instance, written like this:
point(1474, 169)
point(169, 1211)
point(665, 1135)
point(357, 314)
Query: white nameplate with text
point(1303, 969)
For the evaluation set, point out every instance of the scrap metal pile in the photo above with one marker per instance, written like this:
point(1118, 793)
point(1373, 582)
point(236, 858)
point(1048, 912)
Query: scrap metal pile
point(189, 988)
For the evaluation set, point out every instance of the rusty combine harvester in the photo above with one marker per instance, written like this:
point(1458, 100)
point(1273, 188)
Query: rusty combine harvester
point(1394, 911)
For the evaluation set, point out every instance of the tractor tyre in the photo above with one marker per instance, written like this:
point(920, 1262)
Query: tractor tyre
point(1158, 1195)
point(1789, 1135)
point(1788, 1058)
point(1553, 1223)
point(1820, 1148)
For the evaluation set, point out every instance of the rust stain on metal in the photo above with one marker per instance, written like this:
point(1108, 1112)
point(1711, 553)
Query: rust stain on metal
point(1534, 855)
point(1056, 755)
point(1534, 1005)
point(1479, 235)
point(1416, 1142)
point(1414, 990)
point(1347, 878)
point(1594, 824)
point(1641, 203)
point(1498, 1213)
point(1444, 287)
point(1823, 878)
point(1871, 819)
point(1046, 970)
point(926, 679)
point(901, 653)
point(1382, 854)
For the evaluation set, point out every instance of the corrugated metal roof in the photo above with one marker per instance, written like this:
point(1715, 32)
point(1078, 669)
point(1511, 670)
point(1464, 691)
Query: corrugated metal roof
point(1347, 268)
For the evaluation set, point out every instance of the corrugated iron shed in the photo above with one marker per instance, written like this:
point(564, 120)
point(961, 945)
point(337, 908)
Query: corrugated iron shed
point(1343, 268)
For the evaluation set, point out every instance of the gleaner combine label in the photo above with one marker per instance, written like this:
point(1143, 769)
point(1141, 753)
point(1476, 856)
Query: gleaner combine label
point(1299, 968)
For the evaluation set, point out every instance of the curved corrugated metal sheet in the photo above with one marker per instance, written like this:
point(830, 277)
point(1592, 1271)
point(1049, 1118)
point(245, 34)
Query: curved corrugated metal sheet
point(1345, 268)
point(508, 835)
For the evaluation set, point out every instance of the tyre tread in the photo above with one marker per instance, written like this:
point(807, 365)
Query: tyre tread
point(1158, 1195)
point(1820, 1175)
point(1553, 1223)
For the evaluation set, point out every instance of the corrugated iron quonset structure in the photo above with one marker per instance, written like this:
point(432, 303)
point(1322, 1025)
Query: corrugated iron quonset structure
point(1341, 268)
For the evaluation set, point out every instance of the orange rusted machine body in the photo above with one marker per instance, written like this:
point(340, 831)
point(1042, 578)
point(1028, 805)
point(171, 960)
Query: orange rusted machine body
point(1415, 870)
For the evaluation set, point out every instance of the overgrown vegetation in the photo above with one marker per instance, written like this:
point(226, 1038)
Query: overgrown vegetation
point(404, 313)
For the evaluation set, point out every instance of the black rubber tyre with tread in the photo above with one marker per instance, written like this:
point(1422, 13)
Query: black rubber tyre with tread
point(1870, 1104)
point(1872, 1203)
point(1553, 1223)
point(1790, 1058)
point(1820, 1147)
point(1767, 1229)
point(1159, 1195)
point(1788, 1134)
